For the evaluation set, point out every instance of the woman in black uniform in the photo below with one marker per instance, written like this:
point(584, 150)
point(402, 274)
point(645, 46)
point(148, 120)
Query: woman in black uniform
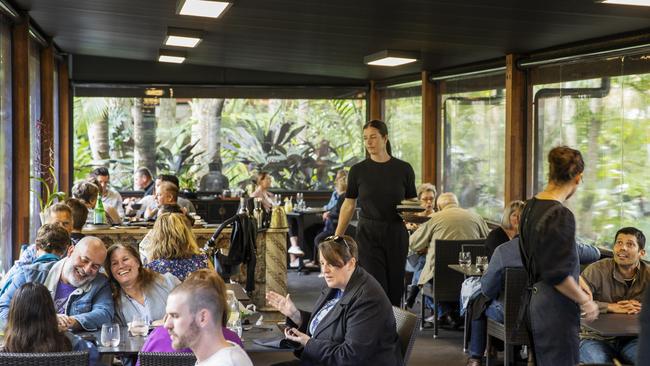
point(554, 301)
point(379, 183)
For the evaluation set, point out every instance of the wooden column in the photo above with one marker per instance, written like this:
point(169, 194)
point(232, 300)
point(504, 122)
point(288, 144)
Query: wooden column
point(374, 102)
point(429, 129)
point(65, 129)
point(20, 135)
point(515, 179)
point(47, 116)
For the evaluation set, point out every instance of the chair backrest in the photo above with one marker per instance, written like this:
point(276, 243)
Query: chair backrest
point(166, 359)
point(477, 250)
point(406, 323)
point(515, 284)
point(446, 281)
point(45, 359)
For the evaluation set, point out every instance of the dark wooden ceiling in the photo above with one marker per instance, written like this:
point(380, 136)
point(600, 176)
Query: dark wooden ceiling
point(331, 37)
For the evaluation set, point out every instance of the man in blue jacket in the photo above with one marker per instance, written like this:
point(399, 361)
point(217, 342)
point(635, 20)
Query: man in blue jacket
point(506, 255)
point(82, 298)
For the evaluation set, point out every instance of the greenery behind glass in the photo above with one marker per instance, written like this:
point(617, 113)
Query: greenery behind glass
point(301, 142)
point(474, 149)
point(613, 134)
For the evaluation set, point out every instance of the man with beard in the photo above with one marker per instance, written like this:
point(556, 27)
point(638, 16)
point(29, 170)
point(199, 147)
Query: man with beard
point(617, 285)
point(195, 312)
point(82, 299)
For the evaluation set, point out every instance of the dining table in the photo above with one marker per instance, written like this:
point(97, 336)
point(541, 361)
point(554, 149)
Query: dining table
point(614, 325)
point(471, 271)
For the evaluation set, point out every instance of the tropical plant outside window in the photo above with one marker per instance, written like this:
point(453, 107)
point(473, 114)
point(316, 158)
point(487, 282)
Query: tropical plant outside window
point(473, 157)
point(302, 143)
point(607, 118)
point(403, 115)
point(5, 145)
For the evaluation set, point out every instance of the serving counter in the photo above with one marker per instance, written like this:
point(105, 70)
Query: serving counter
point(271, 245)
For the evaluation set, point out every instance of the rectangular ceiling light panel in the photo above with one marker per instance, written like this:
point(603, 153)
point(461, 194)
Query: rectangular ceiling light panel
point(203, 8)
point(179, 37)
point(628, 2)
point(175, 57)
point(391, 58)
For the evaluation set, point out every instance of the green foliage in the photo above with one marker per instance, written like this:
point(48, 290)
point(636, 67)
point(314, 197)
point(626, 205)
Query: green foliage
point(177, 157)
point(52, 195)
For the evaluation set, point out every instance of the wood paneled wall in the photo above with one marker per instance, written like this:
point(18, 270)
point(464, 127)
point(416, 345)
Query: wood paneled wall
point(20, 133)
point(65, 128)
point(516, 91)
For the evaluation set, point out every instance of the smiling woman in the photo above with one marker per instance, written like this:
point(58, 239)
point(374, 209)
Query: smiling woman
point(137, 291)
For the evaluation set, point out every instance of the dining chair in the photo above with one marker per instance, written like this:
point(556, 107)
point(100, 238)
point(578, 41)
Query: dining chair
point(166, 359)
point(406, 323)
point(45, 359)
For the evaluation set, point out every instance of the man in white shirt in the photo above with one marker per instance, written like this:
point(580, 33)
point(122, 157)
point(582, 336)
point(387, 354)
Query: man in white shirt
point(195, 312)
point(110, 197)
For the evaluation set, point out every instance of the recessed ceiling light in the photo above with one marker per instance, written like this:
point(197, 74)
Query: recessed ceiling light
point(390, 58)
point(202, 8)
point(627, 2)
point(176, 57)
point(179, 37)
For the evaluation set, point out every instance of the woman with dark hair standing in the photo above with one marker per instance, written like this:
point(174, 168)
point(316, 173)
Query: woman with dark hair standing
point(379, 184)
point(554, 302)
point(32, 326)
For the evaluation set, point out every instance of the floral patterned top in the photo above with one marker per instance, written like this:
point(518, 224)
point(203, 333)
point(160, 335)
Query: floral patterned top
point(180, 267)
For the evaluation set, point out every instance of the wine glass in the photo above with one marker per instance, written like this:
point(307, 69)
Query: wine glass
point(300, 202)
point(465, 259)
point(481, 263)
point(139, 326)
point(110, 336)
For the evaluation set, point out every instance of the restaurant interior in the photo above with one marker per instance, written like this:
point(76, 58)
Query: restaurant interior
point(474, 93)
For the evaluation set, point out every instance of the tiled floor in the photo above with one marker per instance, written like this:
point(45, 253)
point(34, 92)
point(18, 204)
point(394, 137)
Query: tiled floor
point(446, 350)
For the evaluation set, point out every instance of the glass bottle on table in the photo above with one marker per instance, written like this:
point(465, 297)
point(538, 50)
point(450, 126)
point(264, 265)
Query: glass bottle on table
point(234, 320)
point(99, 212)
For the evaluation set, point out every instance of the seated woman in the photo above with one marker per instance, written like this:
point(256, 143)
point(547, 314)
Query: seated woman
point(174, 247)
point(331, 217)
point(507, 230)
point(160, 341)
point(415, 261)
point(32, 325)
point(137, 291)
point(264, 182)
point(352, 322)
point(146, 245)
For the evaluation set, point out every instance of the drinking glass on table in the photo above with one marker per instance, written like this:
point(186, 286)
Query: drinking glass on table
point(482, 263)
point(139, 326)
point(465, 259)
point(110, 336)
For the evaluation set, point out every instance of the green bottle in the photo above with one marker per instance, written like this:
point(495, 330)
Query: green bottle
point(100, 214)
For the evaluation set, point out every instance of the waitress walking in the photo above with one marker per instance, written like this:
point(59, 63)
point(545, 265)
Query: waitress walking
point(379, 183)
point(554, 299)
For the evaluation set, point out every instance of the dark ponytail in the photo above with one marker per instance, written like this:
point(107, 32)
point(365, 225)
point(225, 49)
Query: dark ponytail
point(383, 131)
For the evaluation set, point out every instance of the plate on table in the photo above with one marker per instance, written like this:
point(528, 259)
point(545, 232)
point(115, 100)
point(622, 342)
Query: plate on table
point(413, 218)
point(97, 226)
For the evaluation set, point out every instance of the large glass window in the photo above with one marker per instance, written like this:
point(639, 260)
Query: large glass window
point(301, 142)
point(473, 129)
point(5, 145)
point(403, 115)
point(34, 136)
point(602, 108)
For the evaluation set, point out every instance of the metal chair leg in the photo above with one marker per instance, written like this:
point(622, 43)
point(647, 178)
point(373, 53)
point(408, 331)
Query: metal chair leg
point(435, 319)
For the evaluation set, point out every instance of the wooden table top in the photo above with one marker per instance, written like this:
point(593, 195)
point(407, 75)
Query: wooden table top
point(614, 325)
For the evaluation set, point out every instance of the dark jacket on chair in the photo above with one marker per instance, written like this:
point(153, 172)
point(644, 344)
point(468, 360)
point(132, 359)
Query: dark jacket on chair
point(359, 330)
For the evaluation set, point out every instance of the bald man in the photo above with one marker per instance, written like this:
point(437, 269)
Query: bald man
point(82, 298)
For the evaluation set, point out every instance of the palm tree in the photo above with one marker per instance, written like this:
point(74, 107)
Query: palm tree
point(144, 135)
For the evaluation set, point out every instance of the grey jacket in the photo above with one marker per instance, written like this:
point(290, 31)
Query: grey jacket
point(155, 300)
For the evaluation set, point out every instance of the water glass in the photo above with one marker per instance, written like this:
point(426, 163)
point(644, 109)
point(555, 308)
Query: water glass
point(110, 336)
point(465, 259)
point(482, 263)
point(139, 326)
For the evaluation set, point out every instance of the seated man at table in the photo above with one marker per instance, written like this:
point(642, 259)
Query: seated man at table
point(58, 213)
point(110, 197)
point(151, 203)
point(195, 314)
point(52, 243)
point(450, 223)
point(79, 218)
point(82, 297)
point(617, 285)
point(490, 302)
